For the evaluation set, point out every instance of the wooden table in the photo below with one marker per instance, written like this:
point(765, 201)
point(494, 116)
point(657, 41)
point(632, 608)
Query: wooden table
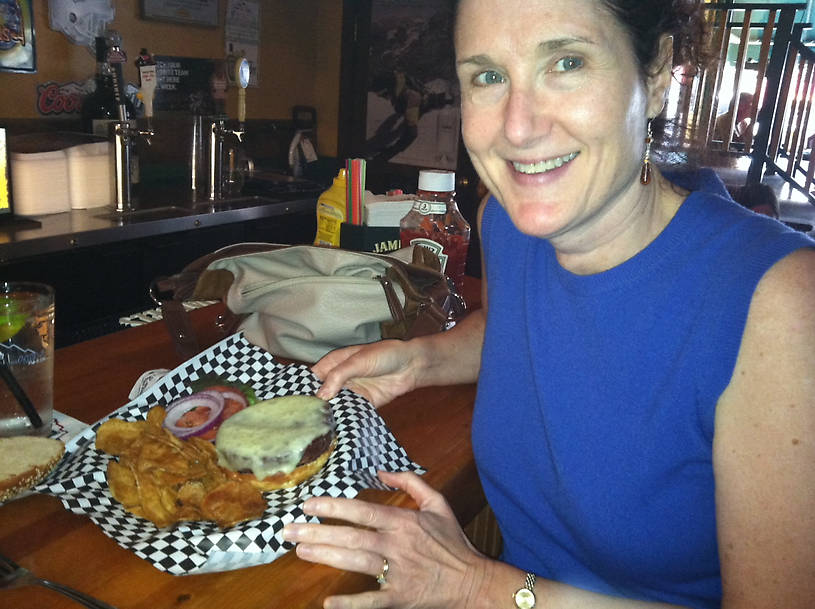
point(94, 378)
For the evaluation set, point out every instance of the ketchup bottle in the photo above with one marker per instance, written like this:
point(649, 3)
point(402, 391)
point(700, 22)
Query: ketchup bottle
point(435, 222)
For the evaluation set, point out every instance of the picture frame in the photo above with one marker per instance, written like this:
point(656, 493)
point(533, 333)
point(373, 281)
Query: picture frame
point(17, 46)
point(400, 116)
point(205, 13)
point(412, 99)
point(367, 44)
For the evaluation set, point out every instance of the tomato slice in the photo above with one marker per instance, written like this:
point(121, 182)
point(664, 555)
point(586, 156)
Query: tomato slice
point(234, 401)
point(194, 417)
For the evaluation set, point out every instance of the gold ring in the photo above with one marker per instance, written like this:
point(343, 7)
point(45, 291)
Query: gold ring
point(383, 575)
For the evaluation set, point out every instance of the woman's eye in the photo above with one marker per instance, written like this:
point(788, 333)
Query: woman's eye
point(490, 77)
point(567, 64)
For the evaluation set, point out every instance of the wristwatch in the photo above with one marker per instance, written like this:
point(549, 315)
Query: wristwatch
point(525, 597)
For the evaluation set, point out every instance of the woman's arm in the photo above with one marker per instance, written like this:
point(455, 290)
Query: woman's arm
point(764, 447)
point(386, 369)
point(431, 564)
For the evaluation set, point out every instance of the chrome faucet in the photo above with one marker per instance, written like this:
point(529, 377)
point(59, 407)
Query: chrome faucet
point(217, 133)
point(124, 133)
point(124, 136)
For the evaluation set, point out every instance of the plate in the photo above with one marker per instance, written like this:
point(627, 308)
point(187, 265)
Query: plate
point(364, 445)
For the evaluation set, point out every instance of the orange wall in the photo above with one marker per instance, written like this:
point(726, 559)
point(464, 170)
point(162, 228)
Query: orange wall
point(299, 59)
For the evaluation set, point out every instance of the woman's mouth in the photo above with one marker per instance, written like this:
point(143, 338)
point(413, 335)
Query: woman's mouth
point(544, 166)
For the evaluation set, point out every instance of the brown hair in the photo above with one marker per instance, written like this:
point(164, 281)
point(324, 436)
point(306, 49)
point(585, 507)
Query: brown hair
point(647, 21)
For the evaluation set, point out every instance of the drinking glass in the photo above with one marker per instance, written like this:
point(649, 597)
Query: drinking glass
point(26, 358)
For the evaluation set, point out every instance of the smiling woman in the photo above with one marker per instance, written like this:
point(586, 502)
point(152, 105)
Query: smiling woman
point(632, 441)
point(556, 126)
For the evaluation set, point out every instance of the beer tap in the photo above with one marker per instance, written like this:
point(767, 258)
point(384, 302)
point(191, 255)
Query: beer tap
point(218, 131)
point(124, 133)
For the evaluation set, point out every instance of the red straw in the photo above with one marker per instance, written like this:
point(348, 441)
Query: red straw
point(355, 172)
point(348, 190)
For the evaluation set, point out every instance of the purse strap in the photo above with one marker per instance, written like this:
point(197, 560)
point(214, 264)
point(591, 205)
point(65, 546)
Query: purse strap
point(431, 301)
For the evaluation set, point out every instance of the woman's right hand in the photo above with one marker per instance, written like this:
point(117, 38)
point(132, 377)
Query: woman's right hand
point(379, 371)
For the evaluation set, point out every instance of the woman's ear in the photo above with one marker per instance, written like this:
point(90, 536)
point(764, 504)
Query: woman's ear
point(659, 79)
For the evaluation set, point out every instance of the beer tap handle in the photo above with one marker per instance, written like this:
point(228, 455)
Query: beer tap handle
point(116, 57)
point(148, 88)
point(148, 82)
point(242, 80)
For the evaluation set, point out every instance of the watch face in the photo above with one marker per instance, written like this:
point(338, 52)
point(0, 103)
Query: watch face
point(525, 598)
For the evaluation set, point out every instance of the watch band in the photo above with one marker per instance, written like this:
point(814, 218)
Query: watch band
point(525, 597)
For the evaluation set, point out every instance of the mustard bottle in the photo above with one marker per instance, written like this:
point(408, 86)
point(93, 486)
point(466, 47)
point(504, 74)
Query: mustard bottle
point(331, 212)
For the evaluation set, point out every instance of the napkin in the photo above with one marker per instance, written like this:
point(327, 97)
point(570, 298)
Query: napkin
point(384, 210)
point(66, 428)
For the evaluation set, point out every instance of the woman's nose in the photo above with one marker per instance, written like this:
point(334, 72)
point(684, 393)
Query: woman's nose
point(526, 117)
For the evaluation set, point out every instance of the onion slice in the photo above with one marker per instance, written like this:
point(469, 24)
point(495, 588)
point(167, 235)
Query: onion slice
point(212, 401)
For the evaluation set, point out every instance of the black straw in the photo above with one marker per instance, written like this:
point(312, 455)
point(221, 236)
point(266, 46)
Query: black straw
point(22, 398)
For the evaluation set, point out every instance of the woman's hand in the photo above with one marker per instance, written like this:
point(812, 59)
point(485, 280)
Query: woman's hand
point(386, 369)
point(430, 561)
point(379, 371)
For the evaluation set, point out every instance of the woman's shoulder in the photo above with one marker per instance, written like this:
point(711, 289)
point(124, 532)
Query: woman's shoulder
point(788, 286)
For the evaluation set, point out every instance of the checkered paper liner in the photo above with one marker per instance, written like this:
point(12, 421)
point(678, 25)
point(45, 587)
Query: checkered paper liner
point(364, 445)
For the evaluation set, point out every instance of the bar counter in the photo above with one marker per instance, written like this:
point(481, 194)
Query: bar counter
point(100, 263)
point(98, 226)
point(93, 378)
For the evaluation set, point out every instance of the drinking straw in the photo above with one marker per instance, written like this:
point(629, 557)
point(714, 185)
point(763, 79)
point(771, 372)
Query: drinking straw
point(357, 195)
point(349, 165)
point(363, 167)
point(20, 396)
point(355, 170)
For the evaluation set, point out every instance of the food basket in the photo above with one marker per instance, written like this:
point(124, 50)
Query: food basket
point(364, 445)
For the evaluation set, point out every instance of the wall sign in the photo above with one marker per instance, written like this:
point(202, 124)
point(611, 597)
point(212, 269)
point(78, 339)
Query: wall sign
point(242, 36)
point(190, 12)
point(80, 20)
point(17, 53)
point(185, 84)
point(54, 98)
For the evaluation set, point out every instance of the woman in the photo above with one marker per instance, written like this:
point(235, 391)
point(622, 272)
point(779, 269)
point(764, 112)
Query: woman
point(644, 421)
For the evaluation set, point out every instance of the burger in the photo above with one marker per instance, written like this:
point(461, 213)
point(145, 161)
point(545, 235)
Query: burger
point(277, 443)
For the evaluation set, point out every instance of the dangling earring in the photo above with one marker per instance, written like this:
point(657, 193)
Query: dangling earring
point(645, 172)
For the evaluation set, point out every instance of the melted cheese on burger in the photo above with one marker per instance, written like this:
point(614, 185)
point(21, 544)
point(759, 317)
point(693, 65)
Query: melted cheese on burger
point(271, 436)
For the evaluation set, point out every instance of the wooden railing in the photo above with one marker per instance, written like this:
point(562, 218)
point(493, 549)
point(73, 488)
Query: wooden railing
point(755, 98)
point(791, 128)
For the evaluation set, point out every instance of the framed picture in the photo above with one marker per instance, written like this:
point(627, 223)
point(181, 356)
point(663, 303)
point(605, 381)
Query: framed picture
point(412, 90)
point(189, 12)
point(17, 51)
point(399, 99)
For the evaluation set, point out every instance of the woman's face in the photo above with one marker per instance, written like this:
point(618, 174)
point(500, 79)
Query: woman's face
point(554, 112)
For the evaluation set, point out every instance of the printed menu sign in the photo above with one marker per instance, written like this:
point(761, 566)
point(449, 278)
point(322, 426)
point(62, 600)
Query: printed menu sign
point(185, 84)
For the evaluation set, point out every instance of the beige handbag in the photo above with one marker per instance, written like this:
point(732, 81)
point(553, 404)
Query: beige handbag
point(302, 301)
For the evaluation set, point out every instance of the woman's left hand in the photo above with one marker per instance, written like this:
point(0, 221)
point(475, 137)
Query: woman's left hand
point(430, 562)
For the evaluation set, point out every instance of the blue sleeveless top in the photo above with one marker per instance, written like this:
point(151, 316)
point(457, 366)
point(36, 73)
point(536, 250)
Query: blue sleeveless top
point(593, 424)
